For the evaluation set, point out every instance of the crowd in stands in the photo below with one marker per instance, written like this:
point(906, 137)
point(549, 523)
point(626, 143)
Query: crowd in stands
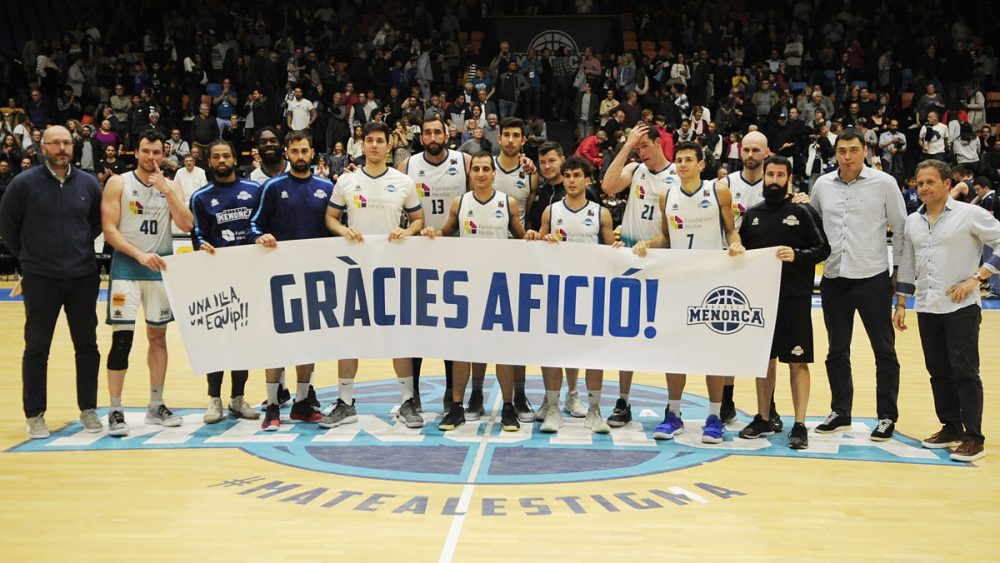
point(913, 76)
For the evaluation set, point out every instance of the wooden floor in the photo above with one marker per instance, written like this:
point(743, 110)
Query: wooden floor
point(187, 503)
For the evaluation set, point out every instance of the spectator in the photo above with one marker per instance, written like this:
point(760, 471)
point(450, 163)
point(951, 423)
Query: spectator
point(204, 129)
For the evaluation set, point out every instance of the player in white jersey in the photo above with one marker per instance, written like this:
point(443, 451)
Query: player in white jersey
point(440, 175)
point(697, 215)
point(646, 181)
point(575, 219)
point(521, 186)
point(136, 210)
point(377, 196)
point(481, 213)
point(747, 189)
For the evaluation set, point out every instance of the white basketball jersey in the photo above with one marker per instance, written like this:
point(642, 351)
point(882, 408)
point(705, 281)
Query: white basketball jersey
point(695, 220)
point(745, 195)
point(437, 184)
point(515, 183)
point(484, 219)
point(145, 222)
point(642, 219)
point(580, 225)
point(375, 204)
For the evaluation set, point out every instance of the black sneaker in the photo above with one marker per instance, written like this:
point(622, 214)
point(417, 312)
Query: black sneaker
point(834, 422)
point(453, 419)
point(313, 400)
point(776, 424)
point(303, 411)
point(272, 418)
point(475, 408)
point(758, 428)
point(884, 430)
point(727, 413)
point(508, 418)
point(622, 414)
point(523, 408)
point(798, 438)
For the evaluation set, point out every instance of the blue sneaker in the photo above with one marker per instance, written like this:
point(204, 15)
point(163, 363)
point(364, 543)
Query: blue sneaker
point(714, 430)
point(671, 426)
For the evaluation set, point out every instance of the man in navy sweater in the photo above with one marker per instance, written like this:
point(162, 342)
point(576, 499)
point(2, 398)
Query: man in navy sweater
point(49, 218)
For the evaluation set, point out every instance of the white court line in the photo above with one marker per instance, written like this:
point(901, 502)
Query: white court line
point(455, 532)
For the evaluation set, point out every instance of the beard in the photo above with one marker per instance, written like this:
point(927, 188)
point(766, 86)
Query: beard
point(775, 194)
point(434, 149)
point(224, 170)
point(270, 157)
point(300, 166)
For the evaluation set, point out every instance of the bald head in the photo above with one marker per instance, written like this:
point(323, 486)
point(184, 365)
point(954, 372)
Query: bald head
point(55, 132)
point(754, 150)
point(57, 144)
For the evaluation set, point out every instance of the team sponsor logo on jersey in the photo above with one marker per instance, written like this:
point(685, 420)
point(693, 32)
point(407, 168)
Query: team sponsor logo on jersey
point(135, 207)
point(500, 203)
point(791, 221)
point(726, 310)
point(243, 196)
point(498, 214)
point(423, 190)
point(360, 201)
point(118, 300)
point(676, 222)
point(391, 188)
point(562, 235)
point(640, 192)
point(319, 194)
point(738, 210)
point(470, 227)
point(379, 447)
point(519, 184)
point(704, 204)
point(233, 214)
point(588, 222)
point(452, 171)
point(228, 235)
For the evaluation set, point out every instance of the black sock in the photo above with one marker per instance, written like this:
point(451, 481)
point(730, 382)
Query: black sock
point(239, 382)
point(215, 384)
point(727, 393)
point(447, 373)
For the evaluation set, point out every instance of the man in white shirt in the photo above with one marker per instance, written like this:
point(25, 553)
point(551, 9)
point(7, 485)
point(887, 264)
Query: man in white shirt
point(191, 178)
point(301, 112)
point(933, 138)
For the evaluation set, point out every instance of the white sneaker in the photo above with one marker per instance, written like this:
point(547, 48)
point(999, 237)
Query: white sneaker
point(540, 413)
point(238, 407)
point(574, 406)
point(37, 429)
point(553, 419)
point(595, 422)
point(214, 412)
point(162, 416)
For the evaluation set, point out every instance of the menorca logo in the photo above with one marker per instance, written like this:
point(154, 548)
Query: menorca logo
point(726, 310)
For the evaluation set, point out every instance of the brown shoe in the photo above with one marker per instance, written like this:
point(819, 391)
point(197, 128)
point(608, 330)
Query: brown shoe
point(970, 450)
point(943, 439)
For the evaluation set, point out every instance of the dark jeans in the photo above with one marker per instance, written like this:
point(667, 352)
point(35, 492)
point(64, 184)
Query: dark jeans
point(872, 299)
point(43, 299)
point(951, 354)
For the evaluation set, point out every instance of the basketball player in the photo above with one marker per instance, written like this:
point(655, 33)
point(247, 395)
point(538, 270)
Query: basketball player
point(796, 231)
point(377, 196)
point(292, 207)
point(273, 164)
point(746, 187)
point(521, 186)
point(575, 219)
point(482, 213)
point(440, 175)
point(646, 181)
point(136, 210)
point(222, 212)
point(697, 215)
point(550, 161)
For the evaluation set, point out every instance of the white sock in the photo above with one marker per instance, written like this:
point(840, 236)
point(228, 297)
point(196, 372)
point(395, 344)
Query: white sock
point(301, 391)
point(674, 406)
point(272, 393)
point(311, 377)
point(281, 378)
point(552, 397)
point(714, 408)
point(346, 390)
point(594, 398)
point(155, 395)
point(406, 388)
point(624, 397)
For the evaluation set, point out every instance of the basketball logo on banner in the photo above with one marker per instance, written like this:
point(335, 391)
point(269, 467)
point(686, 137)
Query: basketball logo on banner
point(554, 40)
point(726, 310)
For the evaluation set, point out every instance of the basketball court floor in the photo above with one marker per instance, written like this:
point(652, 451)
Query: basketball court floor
point(376, 492)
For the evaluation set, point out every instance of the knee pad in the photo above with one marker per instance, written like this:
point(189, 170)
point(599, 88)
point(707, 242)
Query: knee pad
point(121, 345)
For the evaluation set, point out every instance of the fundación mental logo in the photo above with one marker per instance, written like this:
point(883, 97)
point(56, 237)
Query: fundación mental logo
point(725, 310)
point(379, 447)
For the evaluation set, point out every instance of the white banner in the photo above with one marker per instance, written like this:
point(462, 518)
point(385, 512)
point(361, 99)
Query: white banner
point(513, 302)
